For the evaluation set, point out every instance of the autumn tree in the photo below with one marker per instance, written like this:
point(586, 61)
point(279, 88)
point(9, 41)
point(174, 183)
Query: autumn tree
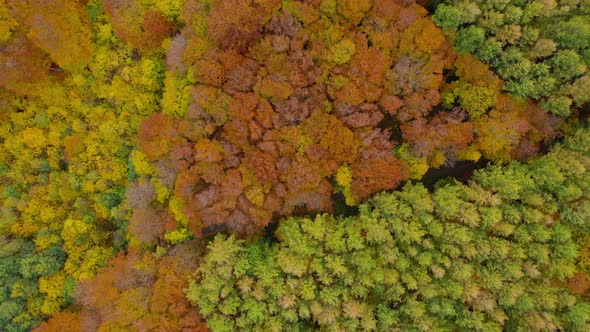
point(280, 105)
point(60, 28)
point(137, 24)
point(137, 292)
point(66, 137)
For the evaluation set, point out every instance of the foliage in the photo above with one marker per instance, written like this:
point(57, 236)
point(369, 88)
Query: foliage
point(265, 104)
point(23, 274)
point(66, 146)
point(540, 48)
point(478, 256)
point(139, 292)
point(132, 130)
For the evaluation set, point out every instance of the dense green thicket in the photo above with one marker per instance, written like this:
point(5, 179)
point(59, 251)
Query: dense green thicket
point(487, 255)
point(21, 295)
point(540, 48)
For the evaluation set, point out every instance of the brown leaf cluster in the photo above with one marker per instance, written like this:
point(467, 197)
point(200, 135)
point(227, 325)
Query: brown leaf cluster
point(136, 292)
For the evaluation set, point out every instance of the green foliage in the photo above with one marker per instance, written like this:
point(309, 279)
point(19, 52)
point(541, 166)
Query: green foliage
point(470, 39)
point(20, 268)
point(559, 105)
point(447, 17)
point(573, 33)
point(539, 48)
point(113, 197)
point(477, 257)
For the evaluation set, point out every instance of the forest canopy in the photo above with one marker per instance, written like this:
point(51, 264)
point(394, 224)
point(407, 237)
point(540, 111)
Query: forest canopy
point(195, 165)
point(486, 255)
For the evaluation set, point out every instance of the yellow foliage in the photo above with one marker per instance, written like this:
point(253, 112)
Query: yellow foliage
point(25, 229)
point(113, 326)
point(429, 38)
point(88, 187)
point(328, 7)
point(177, 235)
point(51, 306)
point(169, 8)
point(469, 153)
point(7, 22)
point(104, 32)
point(418, 166)
point(197, 46)
point(141, 164)
point(100, 210)
point(82, 264)
point(354, 10)
point(52, 286)
point(34, 138)
point(344, 180)
point(339, 81)
point(72, 230)
point(275, 90)
point(162, 192)
point(255, 191)
point(437, 159)
point(343, 51)
point(58, 28)
point(176, 96)
point(46, 241)
point(103, 107)
point(255, 195)
point(18, 289)
point(175, 206)
point(208, 150)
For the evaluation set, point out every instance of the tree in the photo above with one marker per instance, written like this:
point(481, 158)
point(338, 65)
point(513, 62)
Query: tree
point(60, 29)
point(138, 291)
point(447, 17)
point(536, 47)
point(470, 39)
point(454, 258)
point(141, 27)
point(280, 112)
point(66, 135)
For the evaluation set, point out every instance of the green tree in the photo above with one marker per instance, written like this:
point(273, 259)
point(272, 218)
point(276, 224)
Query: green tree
point(470, 39)
point(447, 17)
point(540, 49)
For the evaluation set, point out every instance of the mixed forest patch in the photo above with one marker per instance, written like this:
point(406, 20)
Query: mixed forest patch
point(194, 165)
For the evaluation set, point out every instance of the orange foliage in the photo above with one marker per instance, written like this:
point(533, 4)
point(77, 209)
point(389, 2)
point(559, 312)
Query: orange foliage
point(236, 24)
point(147, 225)
point(209, 72)
point(276, 112)
point(283, 97)
point(61, 322)
point(73, 145)
point(354, 10)
point(60, 28)
point(445, 132)
point(141, 27)
point(23, 66)
point(156, 134)
point(514, 129)
point(137, 292)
